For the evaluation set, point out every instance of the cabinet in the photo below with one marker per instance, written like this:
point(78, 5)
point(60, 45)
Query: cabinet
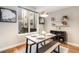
point(61, 36)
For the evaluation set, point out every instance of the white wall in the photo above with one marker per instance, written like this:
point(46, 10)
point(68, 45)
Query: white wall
point(8, 32)
point(73, 29)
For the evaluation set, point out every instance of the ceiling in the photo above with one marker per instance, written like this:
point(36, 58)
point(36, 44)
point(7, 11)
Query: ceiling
point(48, 9)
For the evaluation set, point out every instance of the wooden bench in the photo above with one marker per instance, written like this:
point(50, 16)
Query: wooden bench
point(48, 48)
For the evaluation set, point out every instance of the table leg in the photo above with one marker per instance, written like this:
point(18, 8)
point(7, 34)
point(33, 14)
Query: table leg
point(37, 48)
point(44, 43)
point(27, 45)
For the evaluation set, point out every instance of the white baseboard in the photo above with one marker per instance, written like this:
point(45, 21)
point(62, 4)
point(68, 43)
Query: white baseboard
point(8, 47)
point(74, 44)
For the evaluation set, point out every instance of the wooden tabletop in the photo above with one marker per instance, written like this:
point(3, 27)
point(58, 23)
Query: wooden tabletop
point(37, 38)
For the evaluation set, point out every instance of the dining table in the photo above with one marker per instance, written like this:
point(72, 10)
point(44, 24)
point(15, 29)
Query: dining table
point(36, 39)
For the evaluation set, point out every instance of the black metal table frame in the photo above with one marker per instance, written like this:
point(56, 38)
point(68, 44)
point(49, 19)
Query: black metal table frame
point(37, 45)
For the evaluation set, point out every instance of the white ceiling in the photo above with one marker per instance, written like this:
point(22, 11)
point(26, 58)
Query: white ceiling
point(48, 8)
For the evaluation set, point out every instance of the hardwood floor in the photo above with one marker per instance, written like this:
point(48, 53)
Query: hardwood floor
point(72, 49)
point(15, 49)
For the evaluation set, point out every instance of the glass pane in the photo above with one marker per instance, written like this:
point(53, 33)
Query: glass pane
point(37, 21)
point(27, 21)
point(32, 21)
point(23, 20)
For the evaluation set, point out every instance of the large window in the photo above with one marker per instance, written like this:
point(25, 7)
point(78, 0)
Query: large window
point(27, 20)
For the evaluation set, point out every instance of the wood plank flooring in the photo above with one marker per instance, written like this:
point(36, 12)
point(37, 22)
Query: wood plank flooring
point(72, 49)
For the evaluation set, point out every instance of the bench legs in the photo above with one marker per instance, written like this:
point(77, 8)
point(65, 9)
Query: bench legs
point(30, 48)
point(58, 49)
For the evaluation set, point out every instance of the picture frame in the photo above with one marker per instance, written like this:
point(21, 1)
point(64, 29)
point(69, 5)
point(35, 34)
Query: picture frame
point(41, 20)
point(65, 20)
point(8, 15)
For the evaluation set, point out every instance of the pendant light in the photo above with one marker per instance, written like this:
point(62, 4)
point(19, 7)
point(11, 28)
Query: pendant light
point(44, 14)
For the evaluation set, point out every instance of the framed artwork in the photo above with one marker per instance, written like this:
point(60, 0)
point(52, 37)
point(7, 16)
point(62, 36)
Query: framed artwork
point(65, 20)
point(41, 20)
point(7, 15)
